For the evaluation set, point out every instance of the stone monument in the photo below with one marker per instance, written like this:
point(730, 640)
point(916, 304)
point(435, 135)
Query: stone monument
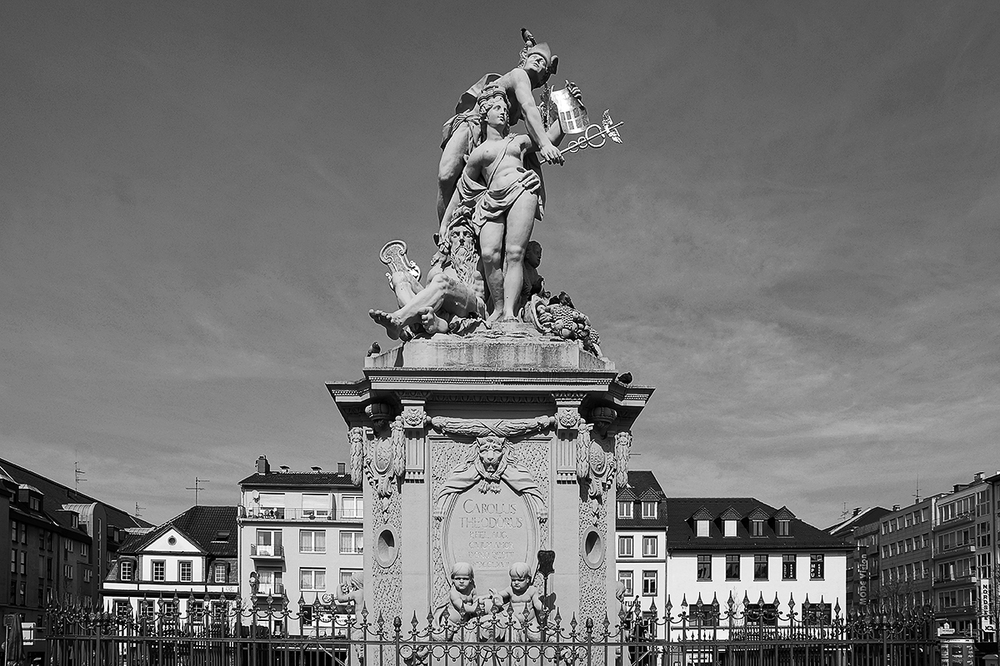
point(496, 433)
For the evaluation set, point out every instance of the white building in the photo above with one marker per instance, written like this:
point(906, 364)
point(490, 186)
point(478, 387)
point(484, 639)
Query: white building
point(300, 540)
point(722, 548)
point(640, 542)
point(184, 569)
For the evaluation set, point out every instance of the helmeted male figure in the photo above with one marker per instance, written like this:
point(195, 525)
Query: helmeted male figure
point(460, 132)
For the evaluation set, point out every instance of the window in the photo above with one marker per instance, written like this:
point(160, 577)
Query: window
point(762, 614)
point(122, 609)
point(352, 507)
point(729, 528)
point(13, 561)
point(70, 546)
point(13, 531)
point(312, 541)
point(649, 509)
point(351, 542)
point(312, 579)
point(147, 609)
point(220, 573)
point(85, 549)
point(268, 544)
point(704, 615)
point(159, 570)
point(315, 506)
point(624, 509)
point(756, 527)
point(648, 583)
point(87, 574)
point(732, 567)
point(704, 567)
point(196, 611)
point(22, 562)
point(185, 571)
point(783, 527)
point(126, 570)
point(68, 571)
point(625, 546)
point(817, 614)
point(701, 527)
point(760, 567)
point(816, 566)
point(625, 579)
point(788, 567)
point(649, 546)
point(272, 505)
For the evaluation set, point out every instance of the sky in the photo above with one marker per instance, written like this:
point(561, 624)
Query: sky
point(796, 244)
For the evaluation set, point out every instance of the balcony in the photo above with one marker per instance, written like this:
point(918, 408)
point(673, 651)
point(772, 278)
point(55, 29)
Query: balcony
point(961, 518)
point(267, 552)
point(947, 581)
point(294, 515)
point(965, 549)
point(272, 590)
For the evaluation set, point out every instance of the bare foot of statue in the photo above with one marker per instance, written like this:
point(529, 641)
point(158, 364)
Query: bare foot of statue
point(387, 321)
point(431, 322)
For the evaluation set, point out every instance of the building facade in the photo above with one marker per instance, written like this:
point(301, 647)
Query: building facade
point(60, 546)
point(301, 539)
point(640, 543)
point(740, 553)
point(906, 563)
point(183, 571)
point(862, 531)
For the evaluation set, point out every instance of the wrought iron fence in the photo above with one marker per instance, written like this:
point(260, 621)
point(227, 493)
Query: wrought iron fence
point(328, 634)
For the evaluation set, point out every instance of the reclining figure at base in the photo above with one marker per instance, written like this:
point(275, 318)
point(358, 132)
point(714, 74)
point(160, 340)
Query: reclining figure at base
point(454, 299)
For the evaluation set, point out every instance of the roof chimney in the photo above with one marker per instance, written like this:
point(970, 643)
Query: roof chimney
point(262, 466)
point(284, 468)
point(857, 510)
point(341, 468)
point(895, 507)
point(978, 478)
point(316, 468)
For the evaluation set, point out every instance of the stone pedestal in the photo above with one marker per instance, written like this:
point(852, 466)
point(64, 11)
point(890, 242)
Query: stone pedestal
point(486, 449)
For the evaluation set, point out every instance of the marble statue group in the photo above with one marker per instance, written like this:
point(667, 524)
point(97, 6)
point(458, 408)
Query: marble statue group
point(490, 195)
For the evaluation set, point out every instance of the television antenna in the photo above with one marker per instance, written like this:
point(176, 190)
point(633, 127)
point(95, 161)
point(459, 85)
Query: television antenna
point(197, 486)
point(78, 475)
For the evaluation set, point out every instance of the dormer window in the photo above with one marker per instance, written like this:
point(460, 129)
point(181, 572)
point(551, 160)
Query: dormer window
point(783, 522)
point(126, 570)
point(702, 518)
point(756, 527)
point(624, 509)
point(649, 509)
point(729, 517)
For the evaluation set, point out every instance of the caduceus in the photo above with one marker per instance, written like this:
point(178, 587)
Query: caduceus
point(595, 136)
point(573, 118)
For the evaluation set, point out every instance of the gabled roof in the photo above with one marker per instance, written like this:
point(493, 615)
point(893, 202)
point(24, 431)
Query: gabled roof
point(730, 514)
point(642, 486)
point(651, 495)
point(683, 511)
point(626, 495)
point(784, 514)
point(211, 528)
point(702, 514)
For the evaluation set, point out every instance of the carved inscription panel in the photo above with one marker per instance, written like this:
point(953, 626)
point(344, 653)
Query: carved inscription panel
point(491, 531)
